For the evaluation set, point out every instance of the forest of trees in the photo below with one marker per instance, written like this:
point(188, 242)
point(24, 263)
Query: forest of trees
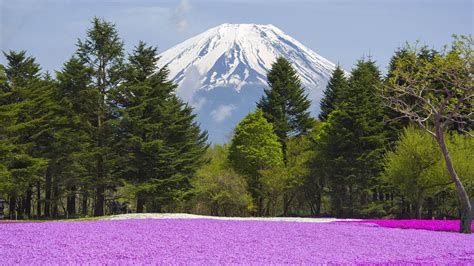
point(107, 134)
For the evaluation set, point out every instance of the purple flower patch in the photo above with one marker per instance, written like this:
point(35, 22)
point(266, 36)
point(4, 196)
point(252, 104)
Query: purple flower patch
point(205, 241)
point(432, 225)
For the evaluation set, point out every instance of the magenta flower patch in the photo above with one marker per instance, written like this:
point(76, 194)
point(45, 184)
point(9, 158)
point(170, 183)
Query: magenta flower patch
point(205, 241)
point(433, 225)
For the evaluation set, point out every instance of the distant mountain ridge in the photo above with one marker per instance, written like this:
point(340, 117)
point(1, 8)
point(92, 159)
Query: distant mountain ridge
point(222, 71)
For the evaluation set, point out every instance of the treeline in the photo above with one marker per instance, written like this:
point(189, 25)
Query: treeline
point(107, 125)
point(381, 147)
point(107, 134)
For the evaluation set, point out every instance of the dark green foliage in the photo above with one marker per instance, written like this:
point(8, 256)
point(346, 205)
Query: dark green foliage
point(102, 53)
point(24, 114)
point(338, 82)
point(74, 133)
point(159, 146)
point(352, 140)
point(285, 104)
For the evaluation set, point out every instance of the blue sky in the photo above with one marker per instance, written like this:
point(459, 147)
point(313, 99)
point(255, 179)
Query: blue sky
point(341, 31)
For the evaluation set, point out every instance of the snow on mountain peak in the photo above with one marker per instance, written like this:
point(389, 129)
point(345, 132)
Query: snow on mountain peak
point(222, 72)
point(234, 55)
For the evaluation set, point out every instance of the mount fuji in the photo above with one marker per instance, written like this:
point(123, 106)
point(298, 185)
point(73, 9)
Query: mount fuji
point(222, 72)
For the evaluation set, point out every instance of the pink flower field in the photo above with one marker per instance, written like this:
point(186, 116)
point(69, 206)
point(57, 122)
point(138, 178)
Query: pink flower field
point(207, 241)
point(433, 225)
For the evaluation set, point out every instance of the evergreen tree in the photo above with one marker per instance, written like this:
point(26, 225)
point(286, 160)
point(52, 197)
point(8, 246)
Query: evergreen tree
point(285, 103)
point(102, 52)
point(255, 148)
point(24, 114)
point(337, 82)
point(159, 146)
point(352, 140)
point(74, 117)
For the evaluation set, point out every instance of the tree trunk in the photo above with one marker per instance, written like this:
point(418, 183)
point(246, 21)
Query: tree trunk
point(141, 203)
point(12, 207)
point(47, 194)
point(71, 201)
point(419, 207)
point(55, 205)
point(27, 202)
point(100, 190)
point(38, 198)
point(466, 218)
point(84, 203)
point(99, 202)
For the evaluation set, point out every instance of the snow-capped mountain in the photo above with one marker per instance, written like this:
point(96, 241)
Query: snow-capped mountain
point(222, 71)
point(239, 54)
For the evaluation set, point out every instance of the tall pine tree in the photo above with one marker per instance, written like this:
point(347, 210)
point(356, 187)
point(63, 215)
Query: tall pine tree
point(75, 118)
point(352, 140)
point(24, 113)
point(159, 146)
point(102, 52)
point(338, 82)
point(285, 103)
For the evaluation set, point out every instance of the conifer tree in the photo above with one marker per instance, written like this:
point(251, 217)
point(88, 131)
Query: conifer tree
point(285, 104)
point(337, 82)
point(74, 117)
point(159, 146)
point(102, 52)
point(352, 140)
point(24, 115)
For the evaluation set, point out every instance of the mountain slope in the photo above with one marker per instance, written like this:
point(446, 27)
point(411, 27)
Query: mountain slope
point(239, 54)
point(222, 71)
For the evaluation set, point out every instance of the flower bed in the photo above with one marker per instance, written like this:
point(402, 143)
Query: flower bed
point(205, 241)
point(432, 225)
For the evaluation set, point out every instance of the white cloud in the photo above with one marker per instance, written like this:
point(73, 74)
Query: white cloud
point(188, 88)
point(222, 112)
point(198, 103)
point(179, 15)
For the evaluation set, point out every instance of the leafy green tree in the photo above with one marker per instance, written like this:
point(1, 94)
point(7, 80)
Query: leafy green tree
point(440, 95)
point(281, 185)
point(417, 167)
point(102, 52)
point(337, 83)
point(218, 189)
point(410, 167)
point(351, 142)
point(158, 145)
point(254, 148)
point(285, 104)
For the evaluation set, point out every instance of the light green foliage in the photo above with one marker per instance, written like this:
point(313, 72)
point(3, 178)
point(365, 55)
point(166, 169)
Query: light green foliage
point(282, 184)
point(255, 148)
point(416, 167)
point(437, 93)
point(218, 189)
point(410, 167)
